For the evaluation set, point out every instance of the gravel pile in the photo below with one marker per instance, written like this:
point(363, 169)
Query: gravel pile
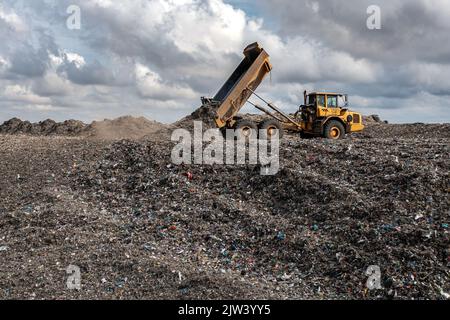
point(140, 227)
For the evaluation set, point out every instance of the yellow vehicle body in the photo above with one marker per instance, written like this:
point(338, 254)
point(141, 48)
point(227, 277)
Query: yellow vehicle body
point(319, 110)
point(238, 88)
point(323, 114)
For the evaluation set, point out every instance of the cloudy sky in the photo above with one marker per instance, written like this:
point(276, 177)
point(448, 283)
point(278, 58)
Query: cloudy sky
point(156, 58)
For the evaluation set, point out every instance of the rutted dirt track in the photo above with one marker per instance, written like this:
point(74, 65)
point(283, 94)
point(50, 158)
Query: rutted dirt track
point(140, 227)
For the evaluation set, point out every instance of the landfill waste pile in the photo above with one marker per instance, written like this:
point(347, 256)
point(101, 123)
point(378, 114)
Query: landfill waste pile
point(414, 131)
point(339, 214)
point(124, 128)
point(373, 119)
point(205, 114)
point(121, 128)
point(47, 127)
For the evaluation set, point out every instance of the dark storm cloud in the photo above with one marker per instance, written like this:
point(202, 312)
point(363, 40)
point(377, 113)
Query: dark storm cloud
point(32, 62)
point(28, 65)
point(28, 55)
point(92, 74)
point(410, 29)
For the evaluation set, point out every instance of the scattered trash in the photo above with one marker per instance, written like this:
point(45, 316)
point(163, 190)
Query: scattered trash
point(445, 294)
point(224, 252)
point(120, 283)
point(184, 291)
point(28, 209)
point(309, 232)
point(285, 277)
point(47, 127)
point(281, 236)
point(4, 248)
point(148, 247)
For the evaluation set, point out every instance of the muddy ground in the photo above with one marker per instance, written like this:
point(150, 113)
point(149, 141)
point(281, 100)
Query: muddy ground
point(139, 227)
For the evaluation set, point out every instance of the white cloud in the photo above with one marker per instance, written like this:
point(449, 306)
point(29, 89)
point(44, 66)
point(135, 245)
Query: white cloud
point(314, 5)
point(74, 58)
point(4, 65)
point(151, 85)
point(432, 77)
point(419, 107)
point(12, 19)
point(57, 60)
point(52, 84)
point(38, 107)
point(3, 62)
point(18, 93)
point(221, 27)
point(297, 59)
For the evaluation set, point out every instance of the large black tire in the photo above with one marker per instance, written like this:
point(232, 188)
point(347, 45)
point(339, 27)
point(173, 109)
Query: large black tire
point(334, 130)
point(246, 129)
point(269, 128)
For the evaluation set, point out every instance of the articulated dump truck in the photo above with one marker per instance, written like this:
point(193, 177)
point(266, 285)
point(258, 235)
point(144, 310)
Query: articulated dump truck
point(322, 114)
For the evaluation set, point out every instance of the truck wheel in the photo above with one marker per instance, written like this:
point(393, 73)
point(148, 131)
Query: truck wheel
point(334, 130)
point(269, 128)
point(246, 129)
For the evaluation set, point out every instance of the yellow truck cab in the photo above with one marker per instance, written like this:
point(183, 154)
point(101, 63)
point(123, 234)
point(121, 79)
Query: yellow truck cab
point(327, 114)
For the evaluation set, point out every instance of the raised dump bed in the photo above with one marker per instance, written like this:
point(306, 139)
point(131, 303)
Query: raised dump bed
point(235, 92)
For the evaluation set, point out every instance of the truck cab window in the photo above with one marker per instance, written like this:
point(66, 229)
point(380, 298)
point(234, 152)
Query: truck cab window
point(321, 100)
point(332, 102)
point(311, 100)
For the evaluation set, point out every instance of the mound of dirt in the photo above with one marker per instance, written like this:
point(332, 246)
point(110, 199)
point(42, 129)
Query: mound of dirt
point(124, 128)
point(45, 128)
point(372, 119)
point(121, 128)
